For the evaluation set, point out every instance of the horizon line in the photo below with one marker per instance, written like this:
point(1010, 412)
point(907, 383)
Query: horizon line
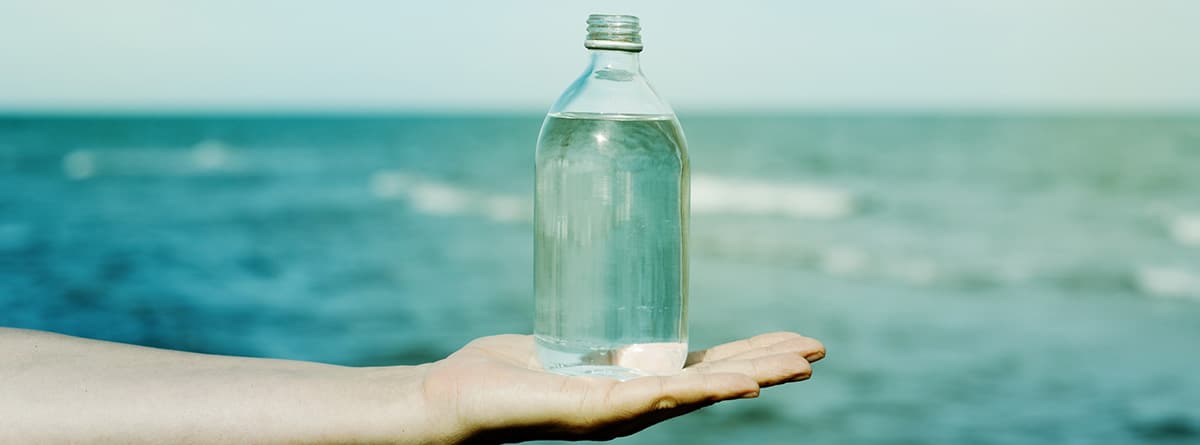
point(318, 112)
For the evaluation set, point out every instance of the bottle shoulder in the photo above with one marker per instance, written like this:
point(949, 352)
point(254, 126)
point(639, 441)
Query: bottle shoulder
point(612, 93)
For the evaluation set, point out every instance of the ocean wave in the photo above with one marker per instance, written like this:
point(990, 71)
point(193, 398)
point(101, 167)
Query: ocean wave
point(1185, 229)
point(859, 263)
point(710, 195)
point(1168, 282)
point(433, 197)
point(720, 195)
point(210, 155)
point(79, 164)
point(207, 156)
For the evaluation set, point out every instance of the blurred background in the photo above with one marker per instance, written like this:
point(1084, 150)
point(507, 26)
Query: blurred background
point(989, 212)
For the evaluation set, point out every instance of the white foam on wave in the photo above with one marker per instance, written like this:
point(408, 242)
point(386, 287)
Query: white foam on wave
point(844, 260)
point(443, 199)
point(79, 164)
point(850, 261)
point(439, 199)
point(1168, 281)
point(916, 271)
point(506, 208)
point(1185, 229)
point(210, 155)
point(712, 194)
point(204, 158)
point(388, 184)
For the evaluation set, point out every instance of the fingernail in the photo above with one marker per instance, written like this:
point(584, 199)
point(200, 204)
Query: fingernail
point(749, 395)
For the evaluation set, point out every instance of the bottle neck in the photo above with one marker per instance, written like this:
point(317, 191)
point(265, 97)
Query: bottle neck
point(613, 83)
point(615, 61)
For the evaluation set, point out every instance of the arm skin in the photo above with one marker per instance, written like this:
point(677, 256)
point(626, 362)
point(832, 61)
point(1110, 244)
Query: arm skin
point(60, 389)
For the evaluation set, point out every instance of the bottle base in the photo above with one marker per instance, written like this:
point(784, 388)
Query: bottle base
point(619, 361)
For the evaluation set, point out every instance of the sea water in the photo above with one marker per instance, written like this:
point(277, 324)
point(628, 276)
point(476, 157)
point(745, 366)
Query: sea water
point(1061, 232)
point(610, 245)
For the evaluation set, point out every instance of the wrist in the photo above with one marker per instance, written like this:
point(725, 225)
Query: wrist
point(398, 409)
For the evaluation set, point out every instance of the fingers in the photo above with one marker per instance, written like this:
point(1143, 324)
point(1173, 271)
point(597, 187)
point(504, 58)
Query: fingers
point(767, 370)
point(808, 348)
point(728, 350)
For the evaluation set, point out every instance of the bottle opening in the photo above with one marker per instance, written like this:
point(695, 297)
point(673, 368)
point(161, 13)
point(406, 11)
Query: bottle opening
point(612, 31)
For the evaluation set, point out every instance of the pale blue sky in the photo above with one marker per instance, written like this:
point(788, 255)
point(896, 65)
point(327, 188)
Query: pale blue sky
point(491, 55)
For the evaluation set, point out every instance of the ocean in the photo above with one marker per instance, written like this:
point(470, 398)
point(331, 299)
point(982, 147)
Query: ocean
point(991, 279)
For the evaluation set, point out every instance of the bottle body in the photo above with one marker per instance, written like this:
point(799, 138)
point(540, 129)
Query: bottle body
point(611, 219)
point(610, 246)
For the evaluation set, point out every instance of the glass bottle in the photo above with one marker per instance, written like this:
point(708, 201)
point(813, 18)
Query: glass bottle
point(611, 219)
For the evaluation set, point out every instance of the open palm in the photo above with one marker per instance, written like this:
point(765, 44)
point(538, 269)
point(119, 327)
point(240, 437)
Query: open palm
point(501, 394)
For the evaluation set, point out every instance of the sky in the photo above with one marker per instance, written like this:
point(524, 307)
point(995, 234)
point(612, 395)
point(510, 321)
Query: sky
point(358, 55)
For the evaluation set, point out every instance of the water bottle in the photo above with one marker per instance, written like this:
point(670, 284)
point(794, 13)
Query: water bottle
point(611, 219)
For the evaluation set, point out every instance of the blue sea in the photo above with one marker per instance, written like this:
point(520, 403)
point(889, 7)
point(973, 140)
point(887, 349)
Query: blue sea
point(984, 279)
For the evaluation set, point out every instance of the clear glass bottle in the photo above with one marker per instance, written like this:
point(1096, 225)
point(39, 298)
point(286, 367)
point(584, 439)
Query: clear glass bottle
point(611, 219)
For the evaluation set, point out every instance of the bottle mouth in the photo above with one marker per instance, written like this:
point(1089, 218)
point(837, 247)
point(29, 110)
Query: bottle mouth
point(613, 31)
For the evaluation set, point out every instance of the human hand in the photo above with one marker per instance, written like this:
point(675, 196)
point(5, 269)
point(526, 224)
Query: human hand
point(61, 389)
point(493, 390)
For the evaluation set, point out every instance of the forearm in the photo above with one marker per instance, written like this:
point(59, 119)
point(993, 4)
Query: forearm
point(55, 388)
